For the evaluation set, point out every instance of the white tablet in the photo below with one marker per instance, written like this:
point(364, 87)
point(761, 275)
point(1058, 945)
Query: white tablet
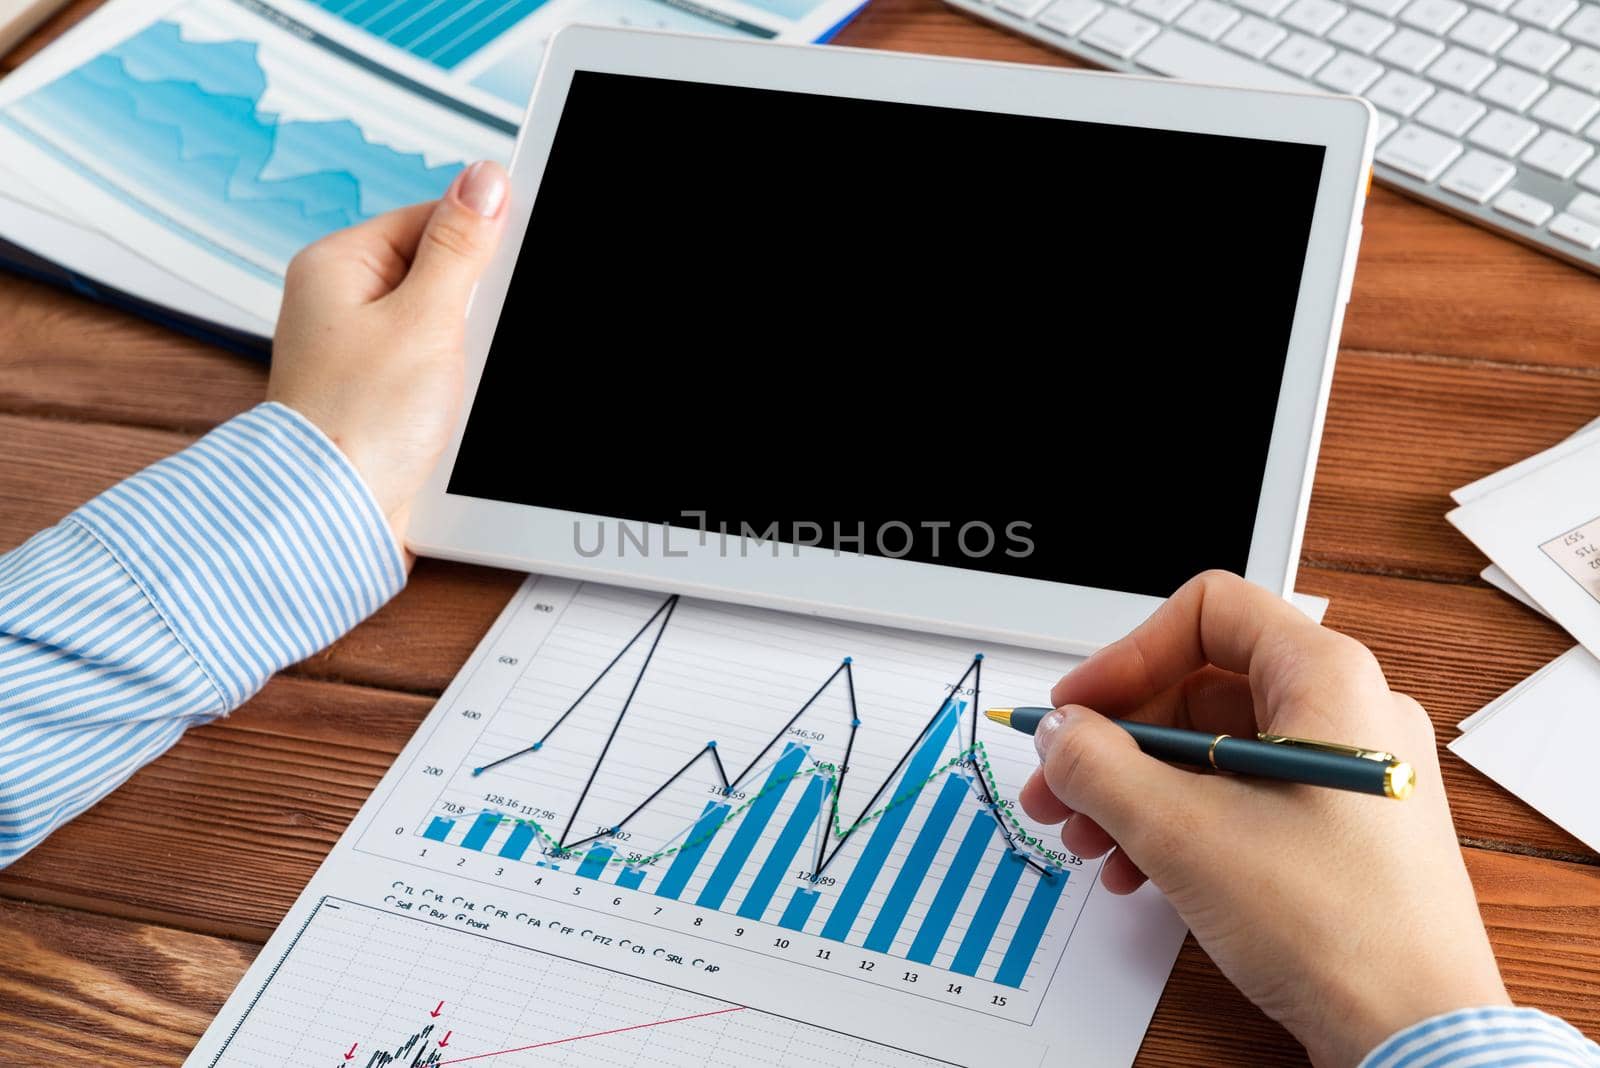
point(994, 350)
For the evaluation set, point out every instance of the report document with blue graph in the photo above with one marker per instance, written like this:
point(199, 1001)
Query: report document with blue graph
point(182, 151)
point(642, 829)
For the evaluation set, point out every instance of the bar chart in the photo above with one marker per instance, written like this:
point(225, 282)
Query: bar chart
point(849, 800)
point(818, 793)
point(441, 33)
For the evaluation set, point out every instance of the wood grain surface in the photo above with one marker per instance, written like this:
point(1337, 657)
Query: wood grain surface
point(124, 932)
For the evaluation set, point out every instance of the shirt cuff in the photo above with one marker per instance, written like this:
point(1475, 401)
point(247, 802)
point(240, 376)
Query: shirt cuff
point(1487, 1036)
point(259, 545)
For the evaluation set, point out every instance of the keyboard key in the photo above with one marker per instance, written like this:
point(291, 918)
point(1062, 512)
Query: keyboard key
point(1023, 9)
point(1387, 8)
point(1565, 108)
point(1120, 33)
point(1503, 132)
point(1208, 19)
point(1433, 16)
point(1349, 73)
point(1581, 68)
point(1361, 32)
point(1161, 10)
point(1483, 32)
point(1513, 88)
point(1585, 235)
point(1557, 154)
point(1410, 50)
point(1522, 207)
point(1584, 27)
point(1589, 177)
point(1400, 93)
point(1585, 206)
point(1545, 14)
point(1300, 55)
point(1535, 49)
point(1069, 17)
point(1254, 37)
point(1315, 17)
point(1499, 7)
point(1420, 153)
point(1387, 124)
point(1461, 69)
point(1180, 56)
point(1265, 8)
point(1477, 176)
point(1451, 113)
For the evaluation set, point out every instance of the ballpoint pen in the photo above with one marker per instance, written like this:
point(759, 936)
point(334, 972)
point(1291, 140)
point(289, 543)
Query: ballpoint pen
point(1267, 756)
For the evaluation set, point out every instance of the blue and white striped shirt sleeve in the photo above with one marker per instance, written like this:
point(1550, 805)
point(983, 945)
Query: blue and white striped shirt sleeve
point(170, 599)
point(1481, 1038)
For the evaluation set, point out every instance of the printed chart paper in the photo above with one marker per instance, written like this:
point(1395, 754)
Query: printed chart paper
point(649, 830)
point(1543, 531)
point(216, 138)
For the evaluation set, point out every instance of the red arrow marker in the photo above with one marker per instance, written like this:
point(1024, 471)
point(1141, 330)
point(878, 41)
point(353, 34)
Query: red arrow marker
point(445, 1041)
point(435, 1012)
point(352, 1053)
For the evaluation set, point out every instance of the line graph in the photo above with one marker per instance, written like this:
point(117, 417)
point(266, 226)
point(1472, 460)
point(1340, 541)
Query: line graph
point(821, 780)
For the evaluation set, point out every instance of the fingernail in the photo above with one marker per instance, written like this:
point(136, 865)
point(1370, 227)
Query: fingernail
point(482, 188)
point(1045, 733)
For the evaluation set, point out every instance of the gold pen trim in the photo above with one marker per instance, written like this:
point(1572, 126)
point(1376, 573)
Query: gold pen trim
point(1211, 753)
point(1330, 747)
point(1001, 716)
point(1399, 780)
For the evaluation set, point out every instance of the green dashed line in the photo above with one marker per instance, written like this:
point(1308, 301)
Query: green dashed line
point(980, 761)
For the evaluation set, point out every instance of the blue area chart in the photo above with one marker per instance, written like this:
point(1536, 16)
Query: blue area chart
point(183, 118)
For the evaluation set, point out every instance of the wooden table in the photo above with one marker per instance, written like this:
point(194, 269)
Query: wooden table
point(121, 935)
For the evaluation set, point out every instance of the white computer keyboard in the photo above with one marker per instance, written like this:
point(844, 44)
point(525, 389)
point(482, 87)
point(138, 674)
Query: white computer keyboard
point(1488, 108)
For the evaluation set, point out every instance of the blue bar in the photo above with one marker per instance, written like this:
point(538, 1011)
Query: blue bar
point(480, 35)
point(381, 24)
point(547, 864)
point(695, 844)
point(1019, 954)
point(438, 828)
point(799, 908)
point(516, 845)
point(917, 863)
point(594, 862)
point(790, 839)
point(755, 821)
point(631, 878)
point(981, 931)
point(464, 11)
point(870, 865)
point(482, 828)
point(956, 880)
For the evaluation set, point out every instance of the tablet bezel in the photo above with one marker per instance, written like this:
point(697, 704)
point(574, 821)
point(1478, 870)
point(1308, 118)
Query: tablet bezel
point(901, 592)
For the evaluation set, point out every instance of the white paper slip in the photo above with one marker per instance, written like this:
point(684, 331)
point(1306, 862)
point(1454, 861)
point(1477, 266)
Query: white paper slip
point(1542, 744)
point(1471, 722)
point(1507, 475)
point(627, 829)
point(1543, 530)
point(1313, 606)
point(1502, 582)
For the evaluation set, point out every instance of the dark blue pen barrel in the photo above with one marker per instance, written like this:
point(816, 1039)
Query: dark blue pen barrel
point(1265, 760)
point(1172, 744)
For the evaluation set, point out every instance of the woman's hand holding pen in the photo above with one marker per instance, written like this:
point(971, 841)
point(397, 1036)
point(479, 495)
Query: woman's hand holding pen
point(1276, 880)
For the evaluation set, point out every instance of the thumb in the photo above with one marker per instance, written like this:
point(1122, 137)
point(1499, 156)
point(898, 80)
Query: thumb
point(1096, 768)
point(459, 239)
